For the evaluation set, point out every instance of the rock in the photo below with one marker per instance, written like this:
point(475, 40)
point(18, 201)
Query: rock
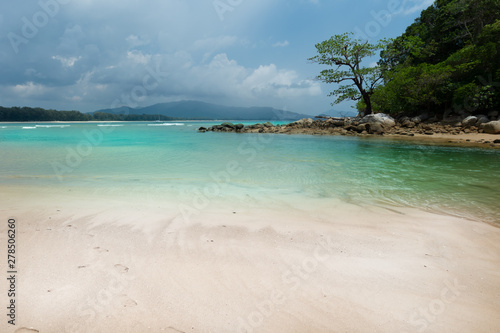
point(493, 127)
point(202, 129)
point(421, 118)
point(482, 119)
point(361, 128)
point(229, 125)
point(469, 121)
point(429, 133)
point(338, 123)
point(406, 122)
point(496, 141)
point(416, 120)
point(453, 121)
point(375, 128)
point(239, 127)
point(424, 116)
point(268, 124)
point(380, 118)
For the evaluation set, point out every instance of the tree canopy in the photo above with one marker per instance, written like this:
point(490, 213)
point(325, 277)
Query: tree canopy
point(39, 114)
point(447, 61)
point(345, 55)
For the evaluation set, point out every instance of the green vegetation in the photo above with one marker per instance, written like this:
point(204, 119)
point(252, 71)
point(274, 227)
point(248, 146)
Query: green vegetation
point(39, 114)
point(447, 62)
point(344, 52)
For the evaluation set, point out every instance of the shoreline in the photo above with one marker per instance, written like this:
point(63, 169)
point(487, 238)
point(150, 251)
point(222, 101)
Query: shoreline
point(90, 266)
point(98, 256)
point(428, 133)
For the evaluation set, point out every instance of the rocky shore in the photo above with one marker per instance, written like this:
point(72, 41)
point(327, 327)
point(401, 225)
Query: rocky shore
point(483, 130)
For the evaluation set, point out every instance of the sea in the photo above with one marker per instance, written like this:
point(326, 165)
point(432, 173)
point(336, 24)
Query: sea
point(173, 161)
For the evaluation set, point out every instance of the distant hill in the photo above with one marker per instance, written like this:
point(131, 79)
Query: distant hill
point(339, 113)
point(207, 111)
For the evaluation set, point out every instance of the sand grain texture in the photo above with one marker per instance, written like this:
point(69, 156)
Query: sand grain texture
point(331, 268)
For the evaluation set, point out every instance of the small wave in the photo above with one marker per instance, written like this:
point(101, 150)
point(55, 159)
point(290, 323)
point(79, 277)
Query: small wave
point(3, 127)
point(109, 125)
point(29, 127)
point(50, 126)
point(167, 124)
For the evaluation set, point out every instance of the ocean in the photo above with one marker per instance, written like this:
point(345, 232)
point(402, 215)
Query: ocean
point(171, 161)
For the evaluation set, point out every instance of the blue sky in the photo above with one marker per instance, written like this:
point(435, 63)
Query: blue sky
point(93, 54)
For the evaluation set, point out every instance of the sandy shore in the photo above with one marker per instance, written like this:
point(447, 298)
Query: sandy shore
point(119, 266)
point(477, 140)
point(481, 140)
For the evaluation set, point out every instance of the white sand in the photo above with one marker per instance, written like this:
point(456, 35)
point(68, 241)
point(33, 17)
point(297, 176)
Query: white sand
point(319, 266)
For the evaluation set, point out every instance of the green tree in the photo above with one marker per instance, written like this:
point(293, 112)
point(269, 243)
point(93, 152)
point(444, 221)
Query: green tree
point(346, 54)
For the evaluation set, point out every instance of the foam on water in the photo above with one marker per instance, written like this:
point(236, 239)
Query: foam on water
point(167, 124)
point(52, 126)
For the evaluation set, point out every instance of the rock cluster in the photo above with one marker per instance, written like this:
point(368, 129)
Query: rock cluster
point(378, 124)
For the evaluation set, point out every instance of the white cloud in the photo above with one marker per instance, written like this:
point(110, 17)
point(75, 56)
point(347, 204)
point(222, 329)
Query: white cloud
point(135, 41)
point(281, 44)
point(418, 5)
point(67, 62)
point(225, 77)
point(138, 57)
point(29, 89)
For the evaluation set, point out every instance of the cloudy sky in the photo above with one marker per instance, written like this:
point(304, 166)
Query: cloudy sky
point(92, 54)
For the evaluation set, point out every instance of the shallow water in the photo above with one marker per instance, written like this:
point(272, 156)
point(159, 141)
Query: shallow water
point(174, 159)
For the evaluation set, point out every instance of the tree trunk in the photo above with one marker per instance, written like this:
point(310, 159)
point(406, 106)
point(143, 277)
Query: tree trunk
point(368, 102)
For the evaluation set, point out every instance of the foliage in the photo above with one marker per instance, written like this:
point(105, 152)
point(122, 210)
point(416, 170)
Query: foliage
point(39, 114)
point(345, 54)
point(448, 61)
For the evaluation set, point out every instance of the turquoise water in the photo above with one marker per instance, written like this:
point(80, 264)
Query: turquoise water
point(174, 158)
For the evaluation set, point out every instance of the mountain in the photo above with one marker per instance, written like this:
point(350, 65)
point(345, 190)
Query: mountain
point(207, 111)
point(339, 114)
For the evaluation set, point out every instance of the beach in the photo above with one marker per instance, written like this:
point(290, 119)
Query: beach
point(319, 266)
point(137, 228)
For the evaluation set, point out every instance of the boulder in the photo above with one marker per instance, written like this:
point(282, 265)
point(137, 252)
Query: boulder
point(421, 118)
point(482, 119)
point(469, 121)
point(493, 127)
point(239, 127)
point(361, 128)
point(202, 129)
point(303, 121)
point(406, 122)
point(229, 125)
point(375, 128)
point(424, 116)
point(416, 120)
point(378, 118)
point(455, 121)
point(269, 124)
